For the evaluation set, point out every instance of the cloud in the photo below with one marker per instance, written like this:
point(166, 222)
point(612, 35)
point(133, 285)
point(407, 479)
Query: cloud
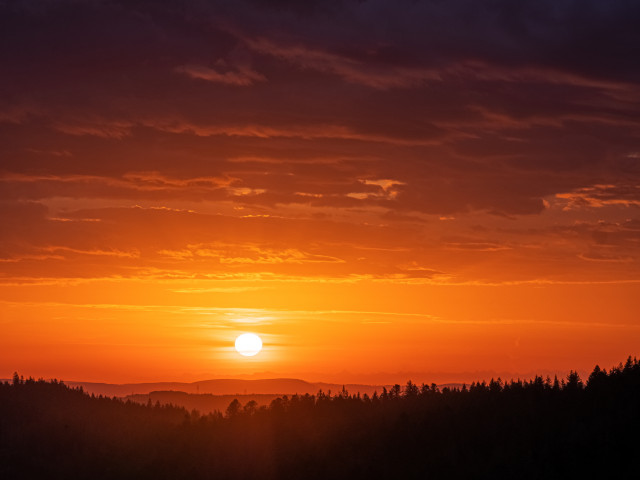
point(354, 71)
point(234, 254)
point(304, 133)
point(477, 246)
point(598, 257)
point(244, 77)
point(599, 196)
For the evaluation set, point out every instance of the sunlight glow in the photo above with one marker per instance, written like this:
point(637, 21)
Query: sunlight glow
point(248, 344)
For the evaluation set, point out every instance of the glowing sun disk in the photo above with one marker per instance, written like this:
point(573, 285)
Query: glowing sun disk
point(248, 344)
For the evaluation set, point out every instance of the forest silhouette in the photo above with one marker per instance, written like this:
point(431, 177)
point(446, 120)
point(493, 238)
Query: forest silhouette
point(539, 428)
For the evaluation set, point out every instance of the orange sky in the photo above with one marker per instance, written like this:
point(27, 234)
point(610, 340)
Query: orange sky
point(375, 208)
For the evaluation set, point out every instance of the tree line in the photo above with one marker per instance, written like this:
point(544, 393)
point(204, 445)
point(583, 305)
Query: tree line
point(538, 428)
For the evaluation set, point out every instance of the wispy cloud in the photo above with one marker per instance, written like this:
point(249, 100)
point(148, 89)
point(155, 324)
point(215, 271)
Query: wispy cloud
point(242, 77)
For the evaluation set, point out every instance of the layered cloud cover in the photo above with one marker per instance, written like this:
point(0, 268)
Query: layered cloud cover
point(403, 139)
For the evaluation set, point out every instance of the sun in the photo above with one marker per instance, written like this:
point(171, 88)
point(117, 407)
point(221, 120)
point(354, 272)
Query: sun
point(248, 344)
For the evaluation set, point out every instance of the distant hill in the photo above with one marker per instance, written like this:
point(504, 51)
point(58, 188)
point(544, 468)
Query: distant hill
point(214, 387)
point(232, 387)
point(274, 386)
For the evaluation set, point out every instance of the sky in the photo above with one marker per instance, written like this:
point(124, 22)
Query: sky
point(382, 190)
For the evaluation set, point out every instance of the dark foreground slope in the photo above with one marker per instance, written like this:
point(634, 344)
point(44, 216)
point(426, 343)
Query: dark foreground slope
point(535, 429)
